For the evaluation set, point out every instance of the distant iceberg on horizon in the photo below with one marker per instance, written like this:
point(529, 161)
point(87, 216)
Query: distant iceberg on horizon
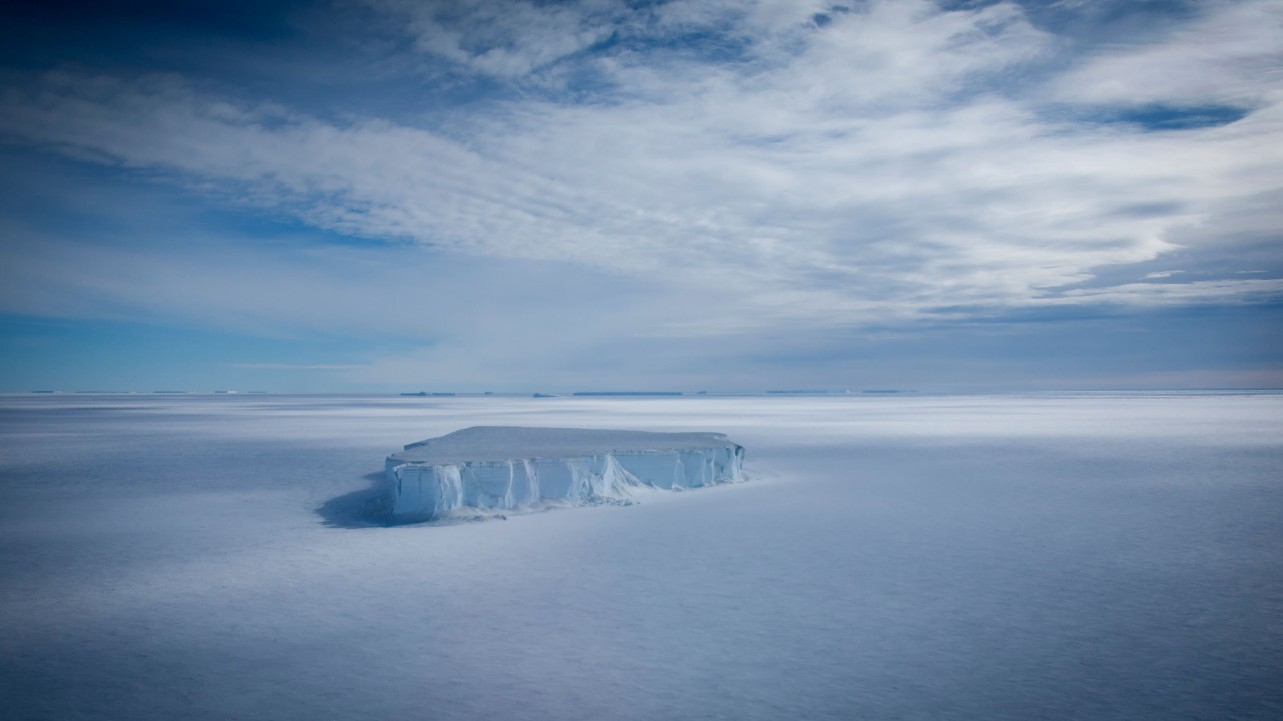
point(494, 468)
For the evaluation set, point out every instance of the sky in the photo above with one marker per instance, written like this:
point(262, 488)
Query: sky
point(385, 195)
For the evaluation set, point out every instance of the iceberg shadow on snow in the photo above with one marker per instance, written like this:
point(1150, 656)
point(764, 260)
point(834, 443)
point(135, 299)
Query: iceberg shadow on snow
point(369, 507)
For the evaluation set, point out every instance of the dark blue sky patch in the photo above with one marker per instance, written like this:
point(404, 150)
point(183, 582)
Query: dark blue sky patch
point(1167, 117)
point(823, 19)
point(1154, 209)
point(964, 5)
point(706, 44)
point(136, 32)
point(230, 18)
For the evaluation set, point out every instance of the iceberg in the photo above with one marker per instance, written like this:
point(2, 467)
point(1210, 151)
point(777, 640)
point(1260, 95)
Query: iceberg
point(491, 468)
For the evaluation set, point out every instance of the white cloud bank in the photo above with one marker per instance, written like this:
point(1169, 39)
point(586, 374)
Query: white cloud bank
point(875, 165)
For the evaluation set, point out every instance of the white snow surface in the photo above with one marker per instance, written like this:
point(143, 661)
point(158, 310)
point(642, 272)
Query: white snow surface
point(488, 468)
point(1093, 556)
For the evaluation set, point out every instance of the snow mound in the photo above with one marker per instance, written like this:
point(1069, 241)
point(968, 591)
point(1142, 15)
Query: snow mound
point(491, 468)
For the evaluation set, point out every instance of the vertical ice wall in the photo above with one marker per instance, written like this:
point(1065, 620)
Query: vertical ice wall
point(433, 478)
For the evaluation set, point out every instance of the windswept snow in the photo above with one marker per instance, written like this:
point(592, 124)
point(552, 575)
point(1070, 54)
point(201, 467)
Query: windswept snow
point(509, 467)
point(1099, 556)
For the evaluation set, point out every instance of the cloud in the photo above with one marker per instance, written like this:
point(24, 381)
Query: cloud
point(1201, 291)
point(1230, 54)
point(877, 167)
point(508, 39)
point(518, 39)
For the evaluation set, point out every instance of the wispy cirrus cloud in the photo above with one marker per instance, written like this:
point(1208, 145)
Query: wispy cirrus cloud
point(1232, 53)
point(509, 39)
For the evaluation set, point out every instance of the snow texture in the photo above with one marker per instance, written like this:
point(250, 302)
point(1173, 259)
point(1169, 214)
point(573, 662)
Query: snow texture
point(1077, 556)
point(488, 468)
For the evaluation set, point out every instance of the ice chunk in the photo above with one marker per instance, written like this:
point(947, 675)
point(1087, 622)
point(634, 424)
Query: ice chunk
point(503, 467)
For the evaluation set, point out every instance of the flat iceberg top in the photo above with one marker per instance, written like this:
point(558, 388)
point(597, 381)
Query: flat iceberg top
point(502, 443)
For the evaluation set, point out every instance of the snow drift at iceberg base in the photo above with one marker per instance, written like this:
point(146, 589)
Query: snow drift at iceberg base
point(488, 469)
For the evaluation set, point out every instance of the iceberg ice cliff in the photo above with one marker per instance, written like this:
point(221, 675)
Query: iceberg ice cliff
point(501, 467)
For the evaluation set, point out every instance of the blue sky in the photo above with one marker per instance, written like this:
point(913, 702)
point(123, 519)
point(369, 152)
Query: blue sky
point(385, 195)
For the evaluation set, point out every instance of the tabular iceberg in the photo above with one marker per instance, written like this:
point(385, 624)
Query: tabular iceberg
point(502, 467)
